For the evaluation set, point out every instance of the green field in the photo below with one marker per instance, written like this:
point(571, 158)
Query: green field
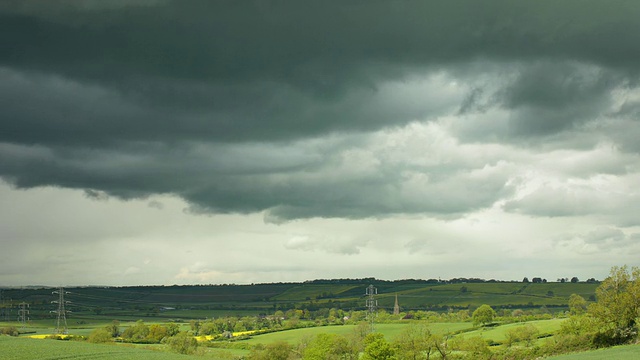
point(629, 352)
point(27, 349)
point(390, 331)
point(498, 333)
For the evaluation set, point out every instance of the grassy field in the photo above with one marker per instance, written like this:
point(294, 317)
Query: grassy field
point(46, 327)
point(23, 348)
point(629, 352)
point(499, 333)
point(12, 348)
point(390, 331)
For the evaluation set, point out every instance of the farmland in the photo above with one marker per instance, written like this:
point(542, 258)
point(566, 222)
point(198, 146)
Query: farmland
point(25, 348)
point(260, 316)
point(165, 303)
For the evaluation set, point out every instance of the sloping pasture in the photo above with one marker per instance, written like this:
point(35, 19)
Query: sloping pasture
point(28, 349)
point(628, 352)
point(390, 331)
point(499, 333)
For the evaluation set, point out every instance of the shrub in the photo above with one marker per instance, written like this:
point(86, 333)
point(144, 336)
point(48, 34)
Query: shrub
point(137, 333)
point(526, 333)
point(182, 343)
point(276, 351)
point(9, 330)
point(100, 335)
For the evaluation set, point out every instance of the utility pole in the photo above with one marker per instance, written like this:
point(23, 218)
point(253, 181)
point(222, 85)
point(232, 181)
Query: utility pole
point(23, 314)
point(61, 322)
point(372, 305)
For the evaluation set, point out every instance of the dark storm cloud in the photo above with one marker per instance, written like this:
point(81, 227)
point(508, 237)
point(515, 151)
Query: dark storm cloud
point(223, 69)
point(215, 101)
point(552, 97)
point(295, 180)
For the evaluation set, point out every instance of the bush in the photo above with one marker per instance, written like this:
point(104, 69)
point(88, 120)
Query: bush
point(615, 337)
point(276, 351)
point(137, 333)
point(9, 330)
point(182, 343)
point(101, 335)
point(566, 343)
point(526, 333)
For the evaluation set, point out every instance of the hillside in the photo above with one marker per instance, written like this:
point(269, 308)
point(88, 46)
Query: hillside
point(198, 301)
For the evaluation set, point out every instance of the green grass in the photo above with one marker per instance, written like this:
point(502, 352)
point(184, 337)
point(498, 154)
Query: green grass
point(499, 333)
point(313, 291)
point(27, 349)
point(629, 352)
point(563, 290)
point(390, 331)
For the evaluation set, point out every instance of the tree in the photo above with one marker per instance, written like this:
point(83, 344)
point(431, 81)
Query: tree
point(415, 342)
point(476, 347)
point(526, 333)
point(183, 343)
point(574, 279)
point(441, 344)
point(483, 315)
point(617, 306)
point(279, 350)
point(157, 332)
point(329, 347)
point(525, 280)
point(100, 335)
point(195, 327)
point(377, 348)
point(172, 329)
point(114, 328)
point(137, 332)
point(577, 304)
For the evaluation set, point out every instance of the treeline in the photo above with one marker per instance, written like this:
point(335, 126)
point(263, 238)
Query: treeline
point(340, 281)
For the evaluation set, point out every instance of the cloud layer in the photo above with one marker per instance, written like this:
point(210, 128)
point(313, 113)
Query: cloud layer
point(346, 111)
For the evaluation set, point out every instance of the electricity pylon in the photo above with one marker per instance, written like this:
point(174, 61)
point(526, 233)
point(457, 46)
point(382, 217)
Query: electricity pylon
point(23, 314)
point(61, 322)
point(372, 305)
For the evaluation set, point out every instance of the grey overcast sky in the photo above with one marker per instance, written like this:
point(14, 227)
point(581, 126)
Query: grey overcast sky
point(185, 142)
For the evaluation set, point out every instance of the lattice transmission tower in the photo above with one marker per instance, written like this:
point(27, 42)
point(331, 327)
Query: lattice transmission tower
point(372, 306)
point(23, 314)
point(61, 322)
